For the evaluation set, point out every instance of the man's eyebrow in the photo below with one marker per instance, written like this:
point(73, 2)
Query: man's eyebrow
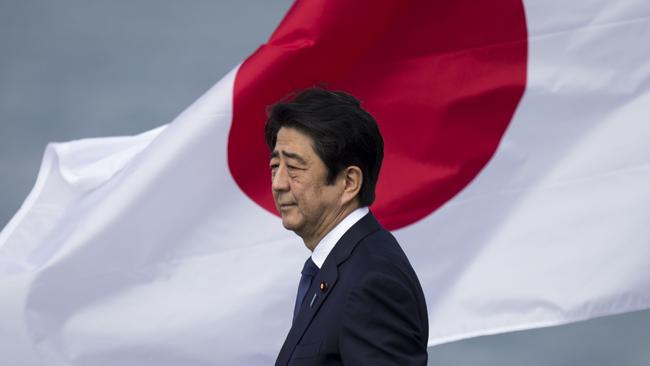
point(294, 156)
point(289, 155)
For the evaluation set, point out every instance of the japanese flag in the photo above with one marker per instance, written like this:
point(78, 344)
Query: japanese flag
point(516, 178)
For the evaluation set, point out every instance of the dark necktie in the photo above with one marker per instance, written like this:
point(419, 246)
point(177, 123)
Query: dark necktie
point(309, 271)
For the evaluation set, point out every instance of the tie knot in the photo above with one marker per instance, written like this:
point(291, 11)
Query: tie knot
point(310, 268)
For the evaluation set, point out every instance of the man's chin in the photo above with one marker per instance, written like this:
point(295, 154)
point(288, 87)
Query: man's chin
point(290, 224)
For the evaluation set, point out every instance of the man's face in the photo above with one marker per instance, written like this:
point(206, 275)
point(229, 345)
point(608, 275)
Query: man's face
point(300, 191)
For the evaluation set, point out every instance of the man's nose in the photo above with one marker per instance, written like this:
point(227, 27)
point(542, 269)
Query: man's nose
point(280, 181)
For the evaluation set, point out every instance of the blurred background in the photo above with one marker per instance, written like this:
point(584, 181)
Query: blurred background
point(72, 69)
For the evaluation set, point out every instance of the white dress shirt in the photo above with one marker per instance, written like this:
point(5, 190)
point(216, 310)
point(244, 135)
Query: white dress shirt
point(325, 246)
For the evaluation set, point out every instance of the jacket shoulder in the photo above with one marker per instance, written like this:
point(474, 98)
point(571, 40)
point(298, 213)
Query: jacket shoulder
point(380, 252)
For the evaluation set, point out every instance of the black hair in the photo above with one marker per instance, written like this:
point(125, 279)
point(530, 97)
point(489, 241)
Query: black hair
point(344, 134)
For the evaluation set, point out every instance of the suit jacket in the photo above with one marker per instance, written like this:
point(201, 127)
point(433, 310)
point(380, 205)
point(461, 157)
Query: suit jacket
point(364, 307)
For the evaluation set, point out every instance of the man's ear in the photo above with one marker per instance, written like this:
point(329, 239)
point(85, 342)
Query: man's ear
point(352, 179)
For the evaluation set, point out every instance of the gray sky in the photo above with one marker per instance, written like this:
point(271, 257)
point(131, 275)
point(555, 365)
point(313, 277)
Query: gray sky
point(71, 69)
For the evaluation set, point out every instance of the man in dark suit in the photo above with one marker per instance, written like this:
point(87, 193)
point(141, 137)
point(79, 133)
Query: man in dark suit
point(359, 301)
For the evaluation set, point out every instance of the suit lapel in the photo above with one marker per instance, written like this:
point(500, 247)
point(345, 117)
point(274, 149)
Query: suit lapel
point(328, 274)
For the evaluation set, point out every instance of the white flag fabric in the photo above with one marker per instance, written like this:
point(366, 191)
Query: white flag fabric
point(160, 249)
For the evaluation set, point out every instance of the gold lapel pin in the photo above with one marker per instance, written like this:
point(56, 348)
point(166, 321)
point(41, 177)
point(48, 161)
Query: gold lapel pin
point(323, 286)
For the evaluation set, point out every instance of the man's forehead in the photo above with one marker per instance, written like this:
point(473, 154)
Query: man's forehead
point(294, 144)
point(291, 134)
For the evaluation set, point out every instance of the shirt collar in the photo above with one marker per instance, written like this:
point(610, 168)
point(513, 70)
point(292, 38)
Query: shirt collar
point(325, 246)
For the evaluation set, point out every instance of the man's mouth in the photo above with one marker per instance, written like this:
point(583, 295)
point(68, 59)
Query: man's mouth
point(286, 205)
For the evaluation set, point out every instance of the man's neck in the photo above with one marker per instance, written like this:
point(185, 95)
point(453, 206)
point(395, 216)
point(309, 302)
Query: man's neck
point(331, 239)
point(311, 241)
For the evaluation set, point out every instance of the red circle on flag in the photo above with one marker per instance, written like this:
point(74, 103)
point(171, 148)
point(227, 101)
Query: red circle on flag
point(442, 79)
